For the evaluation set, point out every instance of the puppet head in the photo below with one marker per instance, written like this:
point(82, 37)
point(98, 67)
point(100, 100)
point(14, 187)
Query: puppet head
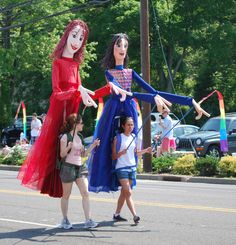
point(117, 50)
point(75, 30)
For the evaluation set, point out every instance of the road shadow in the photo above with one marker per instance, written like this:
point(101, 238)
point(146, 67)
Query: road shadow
point(44, 234)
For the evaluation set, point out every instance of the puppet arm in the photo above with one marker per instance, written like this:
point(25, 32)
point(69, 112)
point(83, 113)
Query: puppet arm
point(101, 92)
point(87, 100)
point(57, 92)
point(163, 99)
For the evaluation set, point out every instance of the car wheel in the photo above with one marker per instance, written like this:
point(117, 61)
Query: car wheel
point(214, 151)
point(4, 140)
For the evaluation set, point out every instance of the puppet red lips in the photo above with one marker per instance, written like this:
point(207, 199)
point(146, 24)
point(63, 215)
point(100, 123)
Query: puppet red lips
point(74, 47)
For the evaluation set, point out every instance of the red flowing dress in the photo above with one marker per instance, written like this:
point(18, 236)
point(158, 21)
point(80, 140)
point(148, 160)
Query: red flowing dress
point(39, 169)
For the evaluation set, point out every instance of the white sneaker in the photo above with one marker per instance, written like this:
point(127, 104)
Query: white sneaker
point(90, 224)
point(65, 224)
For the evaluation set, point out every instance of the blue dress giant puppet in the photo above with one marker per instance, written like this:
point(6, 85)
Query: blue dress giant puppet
point(122, 104)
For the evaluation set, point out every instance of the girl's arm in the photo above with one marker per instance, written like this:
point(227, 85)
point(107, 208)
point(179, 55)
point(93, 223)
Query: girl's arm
point(91, 147)
point(141, 152)
point(64, 148)
point(115, 155)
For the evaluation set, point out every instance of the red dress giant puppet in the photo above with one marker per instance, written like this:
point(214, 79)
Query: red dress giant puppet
point(38, 171)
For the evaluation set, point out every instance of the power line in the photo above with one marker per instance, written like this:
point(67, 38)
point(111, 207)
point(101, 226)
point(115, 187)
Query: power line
point(83, 6)
point(163, 54)
point(12, 6)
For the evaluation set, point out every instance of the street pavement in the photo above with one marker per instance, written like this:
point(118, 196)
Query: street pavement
point(177, 213)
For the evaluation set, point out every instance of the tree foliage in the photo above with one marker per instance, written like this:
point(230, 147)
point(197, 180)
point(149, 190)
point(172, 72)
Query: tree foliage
point(198, 39)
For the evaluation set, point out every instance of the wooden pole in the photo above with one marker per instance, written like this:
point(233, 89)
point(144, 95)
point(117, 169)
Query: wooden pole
point(145, 68)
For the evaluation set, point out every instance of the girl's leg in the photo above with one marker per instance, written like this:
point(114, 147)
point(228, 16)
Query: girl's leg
point(82, 184)
point(65, 198)
point(120, 203)
point(126, 192)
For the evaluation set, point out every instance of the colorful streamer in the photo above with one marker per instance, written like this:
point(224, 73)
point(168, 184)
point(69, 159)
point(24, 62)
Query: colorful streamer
point(223, 132)
point(22, 104)
point(100, 108)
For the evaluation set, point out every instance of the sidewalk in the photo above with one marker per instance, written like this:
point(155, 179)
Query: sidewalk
point(162, 177)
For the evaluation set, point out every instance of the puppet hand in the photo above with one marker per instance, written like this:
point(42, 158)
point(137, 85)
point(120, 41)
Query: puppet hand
point(162, 103)
point(120, 91)
point(87, 100)
point(199, 110)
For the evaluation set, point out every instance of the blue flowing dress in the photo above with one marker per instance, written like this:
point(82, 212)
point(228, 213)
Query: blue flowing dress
point(100, 161)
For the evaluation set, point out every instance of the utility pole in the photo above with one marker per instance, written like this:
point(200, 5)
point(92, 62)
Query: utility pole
point(145, 68)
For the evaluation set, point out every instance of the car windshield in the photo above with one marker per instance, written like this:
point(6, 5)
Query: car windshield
point(213, 124)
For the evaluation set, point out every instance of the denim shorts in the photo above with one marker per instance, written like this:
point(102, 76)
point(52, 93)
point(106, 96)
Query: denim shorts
point(70, 172)
point(125, 174)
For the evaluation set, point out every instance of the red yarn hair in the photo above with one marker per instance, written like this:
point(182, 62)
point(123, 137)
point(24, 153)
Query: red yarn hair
point(79, 55)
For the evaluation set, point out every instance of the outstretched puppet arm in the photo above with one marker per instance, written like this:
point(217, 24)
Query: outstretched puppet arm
point(173, 98)
point(57, 92)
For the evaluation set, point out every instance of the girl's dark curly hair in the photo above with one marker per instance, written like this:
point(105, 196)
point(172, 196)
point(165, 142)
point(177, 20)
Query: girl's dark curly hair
point(70, 123)
point(108, 62)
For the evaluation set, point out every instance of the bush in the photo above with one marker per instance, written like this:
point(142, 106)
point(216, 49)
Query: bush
point(185, 165)
point(16, 157)
point(207, 166)
point(163, 163)
point(227, 166)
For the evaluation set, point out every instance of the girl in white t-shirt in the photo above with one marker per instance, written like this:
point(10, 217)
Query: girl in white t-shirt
point(125, 168)
point(72, 168)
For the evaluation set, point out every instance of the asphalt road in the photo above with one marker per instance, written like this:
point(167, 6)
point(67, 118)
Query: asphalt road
point(175, 213)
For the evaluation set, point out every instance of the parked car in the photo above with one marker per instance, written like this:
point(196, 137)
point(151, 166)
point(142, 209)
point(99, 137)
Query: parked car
point(207, 140)
point(12, 133)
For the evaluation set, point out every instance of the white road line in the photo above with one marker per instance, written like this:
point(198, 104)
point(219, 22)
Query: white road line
point(29, 223)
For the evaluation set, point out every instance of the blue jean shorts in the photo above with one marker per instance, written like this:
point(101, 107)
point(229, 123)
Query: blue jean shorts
point(126, 174)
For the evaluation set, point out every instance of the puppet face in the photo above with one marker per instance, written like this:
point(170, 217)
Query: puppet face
point(120, 50)
point(74, 40)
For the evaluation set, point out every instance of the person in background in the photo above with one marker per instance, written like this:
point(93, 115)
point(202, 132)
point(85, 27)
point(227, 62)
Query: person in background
point(43, 116)
point(35, 128)
point(72, 168)
point(167, 132)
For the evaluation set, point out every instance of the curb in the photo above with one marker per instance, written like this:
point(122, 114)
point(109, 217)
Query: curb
point(162, 177)
point(187, 178)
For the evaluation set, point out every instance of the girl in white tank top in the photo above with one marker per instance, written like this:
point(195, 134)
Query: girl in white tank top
point(126, 166)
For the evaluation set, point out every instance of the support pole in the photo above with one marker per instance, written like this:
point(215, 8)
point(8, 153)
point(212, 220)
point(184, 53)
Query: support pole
point(145, 68)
